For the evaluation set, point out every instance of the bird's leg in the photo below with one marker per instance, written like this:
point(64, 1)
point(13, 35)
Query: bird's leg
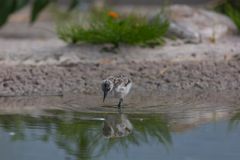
point(119, 104)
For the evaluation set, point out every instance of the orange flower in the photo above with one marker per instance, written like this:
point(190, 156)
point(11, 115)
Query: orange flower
point(112, 14)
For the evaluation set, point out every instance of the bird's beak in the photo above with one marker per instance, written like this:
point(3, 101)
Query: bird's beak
point(104, 95)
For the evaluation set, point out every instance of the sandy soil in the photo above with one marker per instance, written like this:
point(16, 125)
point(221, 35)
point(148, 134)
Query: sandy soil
point(147, 76)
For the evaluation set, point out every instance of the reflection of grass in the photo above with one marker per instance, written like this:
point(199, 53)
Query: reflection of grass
point(110, 27)
point(147, 130)
point(234, 121)
point(232, 10)
point(152, 126)
point(83, 138)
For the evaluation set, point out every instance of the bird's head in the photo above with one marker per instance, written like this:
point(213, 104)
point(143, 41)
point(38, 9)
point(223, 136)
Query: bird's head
point(107, 86)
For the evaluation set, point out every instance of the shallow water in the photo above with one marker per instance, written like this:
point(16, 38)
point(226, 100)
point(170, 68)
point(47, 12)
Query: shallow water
point(69, 135)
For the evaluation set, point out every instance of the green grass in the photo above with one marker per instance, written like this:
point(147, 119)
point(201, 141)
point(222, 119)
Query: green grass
point(231, 10)
point(103, 29)
point(234, 14)
point(9, 7)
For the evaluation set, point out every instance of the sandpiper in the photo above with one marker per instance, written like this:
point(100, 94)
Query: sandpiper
point(119, 85)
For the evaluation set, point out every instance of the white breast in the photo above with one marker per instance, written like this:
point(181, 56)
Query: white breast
point(122, 90)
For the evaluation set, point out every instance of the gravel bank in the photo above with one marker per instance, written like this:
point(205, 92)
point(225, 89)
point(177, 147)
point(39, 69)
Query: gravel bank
point(147, 76)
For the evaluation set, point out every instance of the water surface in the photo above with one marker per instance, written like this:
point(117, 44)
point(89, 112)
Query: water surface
point(71, 135)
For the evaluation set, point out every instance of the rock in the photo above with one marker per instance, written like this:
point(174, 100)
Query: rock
point(184, 33)
point(196, 24)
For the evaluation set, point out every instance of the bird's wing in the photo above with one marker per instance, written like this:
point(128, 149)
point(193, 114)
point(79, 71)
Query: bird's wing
point(122, 80)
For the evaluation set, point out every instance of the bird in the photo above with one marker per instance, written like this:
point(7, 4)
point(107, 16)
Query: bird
point(118, 85)
point(116, 125)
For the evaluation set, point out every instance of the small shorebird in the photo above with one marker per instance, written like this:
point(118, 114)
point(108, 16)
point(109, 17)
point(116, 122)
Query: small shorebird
point(118, 85)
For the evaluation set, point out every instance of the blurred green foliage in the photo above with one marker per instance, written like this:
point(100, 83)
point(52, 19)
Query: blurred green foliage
point(8, 7)
point(232, 9)
point(108, 27)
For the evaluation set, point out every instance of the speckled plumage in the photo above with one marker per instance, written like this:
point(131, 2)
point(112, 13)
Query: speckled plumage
point(119, 85)
point(119, 79)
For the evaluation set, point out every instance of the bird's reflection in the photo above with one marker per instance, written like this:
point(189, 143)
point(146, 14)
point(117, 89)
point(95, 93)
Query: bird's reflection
point(86, 136)
point(117, 125)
